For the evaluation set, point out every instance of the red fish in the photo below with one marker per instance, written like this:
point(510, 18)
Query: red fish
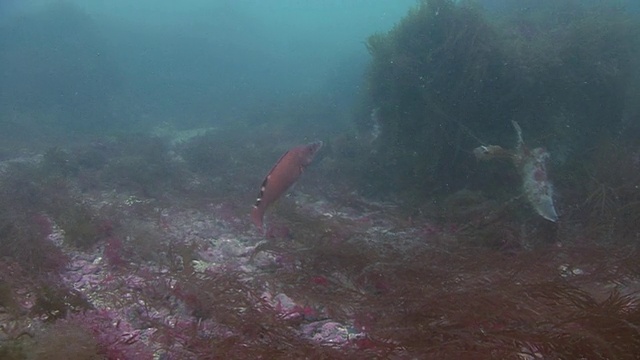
point(283, 174)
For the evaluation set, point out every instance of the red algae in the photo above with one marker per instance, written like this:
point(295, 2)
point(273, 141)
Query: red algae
point(186, 277)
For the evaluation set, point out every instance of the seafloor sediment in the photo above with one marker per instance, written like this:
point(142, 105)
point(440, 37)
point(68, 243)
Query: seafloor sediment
point(174, 276)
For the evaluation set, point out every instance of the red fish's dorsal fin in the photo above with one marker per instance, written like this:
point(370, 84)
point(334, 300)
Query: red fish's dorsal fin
point(265, 182)
point(257, 212)
point(261, 193)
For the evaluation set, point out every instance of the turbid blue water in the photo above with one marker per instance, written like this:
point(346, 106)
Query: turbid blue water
point(123, 65)
point(192, 62)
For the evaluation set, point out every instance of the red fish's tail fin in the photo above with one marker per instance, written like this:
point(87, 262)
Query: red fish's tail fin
point(256, 216)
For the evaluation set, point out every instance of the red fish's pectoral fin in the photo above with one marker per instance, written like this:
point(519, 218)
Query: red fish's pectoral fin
point(257, 214)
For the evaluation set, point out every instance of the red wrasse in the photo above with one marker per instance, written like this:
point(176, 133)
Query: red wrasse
point(283, 174)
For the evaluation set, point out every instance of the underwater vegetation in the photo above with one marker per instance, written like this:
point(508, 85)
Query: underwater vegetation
point(450, 77)
point(178, 274)
point(431, 81)
point(605, 194)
